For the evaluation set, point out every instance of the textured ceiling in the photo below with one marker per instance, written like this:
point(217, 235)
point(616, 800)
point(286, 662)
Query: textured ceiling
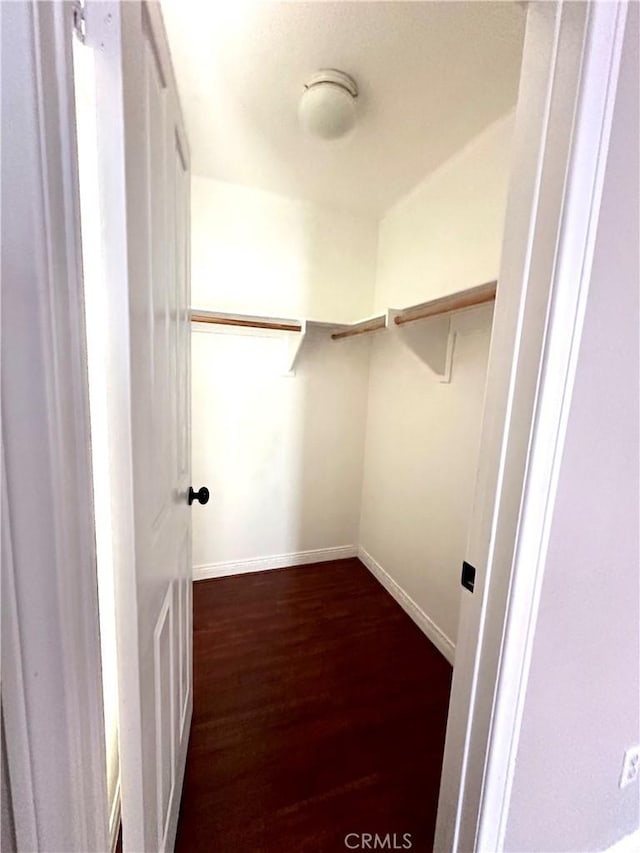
point(431, 75)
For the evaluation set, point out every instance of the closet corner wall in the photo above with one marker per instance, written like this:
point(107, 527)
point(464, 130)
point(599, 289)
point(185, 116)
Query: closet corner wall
point(422, 435)
point(363, 448)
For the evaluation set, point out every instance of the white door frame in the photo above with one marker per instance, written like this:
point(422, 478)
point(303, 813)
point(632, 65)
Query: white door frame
point(568, 85)
point(56, 760)
point(51, 683)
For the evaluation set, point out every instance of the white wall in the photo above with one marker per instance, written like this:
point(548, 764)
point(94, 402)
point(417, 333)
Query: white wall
point(256, 252)
point(422, 436)
point(420, 461)
point(282, 455)
point(446, 235)
point(582, 709)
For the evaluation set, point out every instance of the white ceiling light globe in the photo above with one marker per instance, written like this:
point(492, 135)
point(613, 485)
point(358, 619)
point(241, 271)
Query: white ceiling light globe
point(328, 104)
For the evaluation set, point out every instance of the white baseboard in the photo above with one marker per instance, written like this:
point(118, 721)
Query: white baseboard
point(628, 844)
point(424, 622)
point(277, 561)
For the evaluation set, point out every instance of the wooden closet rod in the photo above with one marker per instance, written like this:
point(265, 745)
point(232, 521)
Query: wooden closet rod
point(250, 324)
point(361, 328)
point(445, 304)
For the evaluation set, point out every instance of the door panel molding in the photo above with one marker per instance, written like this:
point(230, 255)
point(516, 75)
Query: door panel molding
point(165, 711)
point(184, 634)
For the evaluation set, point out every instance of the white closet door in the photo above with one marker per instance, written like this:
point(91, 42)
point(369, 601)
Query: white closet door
point(145, 183)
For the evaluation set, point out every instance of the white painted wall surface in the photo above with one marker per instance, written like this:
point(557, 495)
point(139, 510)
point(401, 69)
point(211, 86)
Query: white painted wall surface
point(420, 463)
point(256, 252)
point(282, 455)
point(582, 708)
point(422, 435)
point(446, 235)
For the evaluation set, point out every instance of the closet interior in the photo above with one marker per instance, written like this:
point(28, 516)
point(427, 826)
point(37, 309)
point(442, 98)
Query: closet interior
point(342, 291)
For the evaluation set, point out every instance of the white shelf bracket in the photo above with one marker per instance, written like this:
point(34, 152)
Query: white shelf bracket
point(295, 348)
point(431, 341)
point(445, 376)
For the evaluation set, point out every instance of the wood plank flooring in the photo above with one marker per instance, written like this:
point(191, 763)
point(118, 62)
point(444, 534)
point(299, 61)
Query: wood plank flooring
point(319, 710)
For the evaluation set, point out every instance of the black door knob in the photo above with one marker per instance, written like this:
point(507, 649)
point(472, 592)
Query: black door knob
point(201, 495)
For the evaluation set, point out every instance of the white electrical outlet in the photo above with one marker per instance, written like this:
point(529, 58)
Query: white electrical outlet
point(631, 766)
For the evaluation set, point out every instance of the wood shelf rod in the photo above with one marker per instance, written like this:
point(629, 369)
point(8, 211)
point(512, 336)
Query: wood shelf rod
point(246, 324)
point(445, 304)
point(361, 328)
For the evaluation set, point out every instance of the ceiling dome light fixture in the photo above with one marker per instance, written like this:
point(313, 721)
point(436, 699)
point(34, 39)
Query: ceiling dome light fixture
point(328, 104)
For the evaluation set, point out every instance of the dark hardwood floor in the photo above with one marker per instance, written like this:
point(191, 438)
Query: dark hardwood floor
point(319, 710)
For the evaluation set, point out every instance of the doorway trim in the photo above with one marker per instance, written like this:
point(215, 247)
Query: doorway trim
point(51, 683)
point(570, 67)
